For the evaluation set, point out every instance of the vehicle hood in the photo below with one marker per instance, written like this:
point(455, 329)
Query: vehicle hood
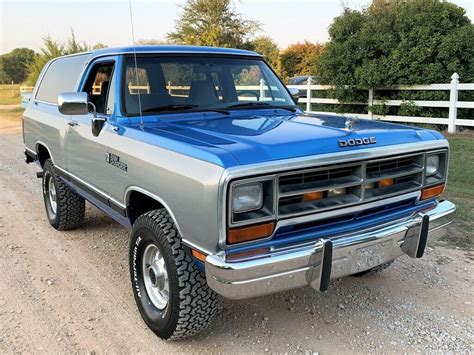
point(262, 136)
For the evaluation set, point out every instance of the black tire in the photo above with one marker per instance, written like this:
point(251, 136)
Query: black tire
point(379, 268)
point(191, 304)
point(70, 207)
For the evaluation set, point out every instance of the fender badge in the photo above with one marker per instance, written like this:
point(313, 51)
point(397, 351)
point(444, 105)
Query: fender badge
point(356, 142)
point(114, 160)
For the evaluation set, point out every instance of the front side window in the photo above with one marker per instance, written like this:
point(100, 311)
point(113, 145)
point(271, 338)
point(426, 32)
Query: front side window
point(166, 84)
point(98, 85)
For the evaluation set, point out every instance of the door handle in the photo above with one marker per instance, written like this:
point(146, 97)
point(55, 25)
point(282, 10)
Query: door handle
point(73, 123)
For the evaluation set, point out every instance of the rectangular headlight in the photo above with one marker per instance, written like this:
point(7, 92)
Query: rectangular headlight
point(251, 201)
point(436, 167)
point(432, 165)
point(247, 197)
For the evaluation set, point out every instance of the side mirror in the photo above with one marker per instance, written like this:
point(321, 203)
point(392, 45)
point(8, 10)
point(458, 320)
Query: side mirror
point(295, 93)
point(73, 103)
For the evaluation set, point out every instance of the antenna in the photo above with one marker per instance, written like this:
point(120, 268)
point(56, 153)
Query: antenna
point(136, 65)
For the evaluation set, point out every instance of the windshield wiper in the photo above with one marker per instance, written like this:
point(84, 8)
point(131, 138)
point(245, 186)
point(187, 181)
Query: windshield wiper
point(175, 107)
point(261, 105)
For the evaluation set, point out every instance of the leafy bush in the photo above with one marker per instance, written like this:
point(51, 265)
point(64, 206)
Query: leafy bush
point(399, 42)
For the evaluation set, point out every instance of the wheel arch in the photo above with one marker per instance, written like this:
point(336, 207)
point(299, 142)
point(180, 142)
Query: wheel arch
point(43, 153)
point(139, 201)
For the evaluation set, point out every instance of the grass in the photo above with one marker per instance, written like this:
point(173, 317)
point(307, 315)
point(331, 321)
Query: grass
point(460, 190)
point(11, 115)
point(9, 96)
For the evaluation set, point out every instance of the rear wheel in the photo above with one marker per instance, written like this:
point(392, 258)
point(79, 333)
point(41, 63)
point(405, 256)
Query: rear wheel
point(64, 208)
point(171, 293)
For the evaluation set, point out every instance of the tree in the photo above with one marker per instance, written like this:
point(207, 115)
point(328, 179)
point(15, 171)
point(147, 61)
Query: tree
point(212, 23)
point(266, 46)
point(399, 42)
point(301, 59)
point(52, 49)
point(98, 46)
point(14, 65)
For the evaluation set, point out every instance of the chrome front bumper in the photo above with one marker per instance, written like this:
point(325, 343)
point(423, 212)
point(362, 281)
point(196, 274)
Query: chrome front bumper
point(316, 263)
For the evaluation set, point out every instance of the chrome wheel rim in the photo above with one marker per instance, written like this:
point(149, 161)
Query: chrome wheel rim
point(52, 195)
point(155, 276)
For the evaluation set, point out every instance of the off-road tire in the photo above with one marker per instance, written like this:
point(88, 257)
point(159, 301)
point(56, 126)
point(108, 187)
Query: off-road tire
point(70, 206)
point(379, 268)
point(191, 304)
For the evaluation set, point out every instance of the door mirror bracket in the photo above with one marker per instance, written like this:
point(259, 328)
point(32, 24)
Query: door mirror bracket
point(97, 121)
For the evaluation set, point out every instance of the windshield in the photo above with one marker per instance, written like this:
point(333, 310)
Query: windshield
point(167, 84)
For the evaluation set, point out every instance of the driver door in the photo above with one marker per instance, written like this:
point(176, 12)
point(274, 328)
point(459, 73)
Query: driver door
point(86, 153)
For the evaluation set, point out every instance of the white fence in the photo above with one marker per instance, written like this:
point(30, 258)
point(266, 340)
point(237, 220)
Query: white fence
point(453, 104)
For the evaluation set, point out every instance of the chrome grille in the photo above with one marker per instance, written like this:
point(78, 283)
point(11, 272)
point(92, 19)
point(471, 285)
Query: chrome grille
point(336, 186)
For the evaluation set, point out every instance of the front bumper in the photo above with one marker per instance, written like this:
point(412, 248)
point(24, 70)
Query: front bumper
point(317, 262)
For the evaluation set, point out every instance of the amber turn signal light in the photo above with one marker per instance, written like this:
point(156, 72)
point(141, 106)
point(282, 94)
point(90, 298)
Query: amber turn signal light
point(245, 234)
point(312, 196)
point(198, 255)
point(247, 254)
point(385, 182)
point(431, 192)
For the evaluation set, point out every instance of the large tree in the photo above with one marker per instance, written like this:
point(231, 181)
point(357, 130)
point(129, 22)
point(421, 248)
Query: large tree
point(269, 49)
point(212, 23)
point(53, 48)
point(14, 65)
point(399, 42)
point(301, 59)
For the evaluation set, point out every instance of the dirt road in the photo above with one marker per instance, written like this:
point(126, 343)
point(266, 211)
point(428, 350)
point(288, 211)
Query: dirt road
point(70, 292)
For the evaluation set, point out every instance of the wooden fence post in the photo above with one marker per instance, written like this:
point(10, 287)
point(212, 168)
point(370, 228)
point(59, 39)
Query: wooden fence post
point(308, 94)
point(371, 102)
point(453, 100)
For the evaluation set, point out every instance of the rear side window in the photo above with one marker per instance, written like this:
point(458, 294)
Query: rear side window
point(61, 76)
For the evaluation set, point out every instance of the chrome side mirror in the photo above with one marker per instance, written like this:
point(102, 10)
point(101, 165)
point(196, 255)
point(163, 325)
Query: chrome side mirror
point(295, 93)
point(73, 103)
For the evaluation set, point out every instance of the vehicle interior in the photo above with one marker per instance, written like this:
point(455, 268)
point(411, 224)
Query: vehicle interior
point(160, 84)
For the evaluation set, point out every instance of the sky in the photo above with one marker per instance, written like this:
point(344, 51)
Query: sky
point(24, 22)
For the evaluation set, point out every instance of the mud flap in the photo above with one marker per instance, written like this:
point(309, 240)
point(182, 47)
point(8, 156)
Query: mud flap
point(416, 238)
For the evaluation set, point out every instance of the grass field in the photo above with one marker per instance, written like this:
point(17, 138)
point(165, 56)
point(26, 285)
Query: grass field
point(460, 188)
point(9, 96)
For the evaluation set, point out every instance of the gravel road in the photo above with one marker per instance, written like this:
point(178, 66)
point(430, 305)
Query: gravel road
point(70, 292)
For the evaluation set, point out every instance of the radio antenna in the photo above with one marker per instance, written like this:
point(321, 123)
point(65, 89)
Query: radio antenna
point(136, 65)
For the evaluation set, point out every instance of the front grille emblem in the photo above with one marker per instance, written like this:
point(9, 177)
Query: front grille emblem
point(356, 142)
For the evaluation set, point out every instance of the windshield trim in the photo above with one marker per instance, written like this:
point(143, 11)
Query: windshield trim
point(125, 57)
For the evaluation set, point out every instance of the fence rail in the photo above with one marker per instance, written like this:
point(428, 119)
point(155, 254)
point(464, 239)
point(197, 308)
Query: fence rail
point(453, 104)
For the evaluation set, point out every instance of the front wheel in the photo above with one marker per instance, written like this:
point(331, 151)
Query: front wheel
point(171, 293)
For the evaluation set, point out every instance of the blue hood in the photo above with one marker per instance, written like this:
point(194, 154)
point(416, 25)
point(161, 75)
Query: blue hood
point(263, 135)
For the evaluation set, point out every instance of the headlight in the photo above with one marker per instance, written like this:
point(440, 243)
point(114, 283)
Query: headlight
point(432, 165)
point(247, 198)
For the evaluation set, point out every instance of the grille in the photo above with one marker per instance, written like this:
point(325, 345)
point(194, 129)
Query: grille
point(336, 186)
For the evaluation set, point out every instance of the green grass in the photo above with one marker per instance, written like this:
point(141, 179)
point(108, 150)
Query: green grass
point(460, 190)
point(11, 115)
point(9, 96)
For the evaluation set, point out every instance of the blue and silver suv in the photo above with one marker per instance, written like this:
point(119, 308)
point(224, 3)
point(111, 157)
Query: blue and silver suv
point(226, 185)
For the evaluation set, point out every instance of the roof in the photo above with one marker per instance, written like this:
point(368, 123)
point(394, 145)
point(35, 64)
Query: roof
point(171, 49)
